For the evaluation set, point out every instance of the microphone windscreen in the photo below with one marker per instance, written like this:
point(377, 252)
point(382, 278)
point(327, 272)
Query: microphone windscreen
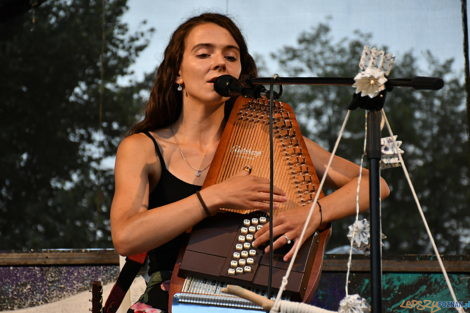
point(226, 85)
point(432, 83)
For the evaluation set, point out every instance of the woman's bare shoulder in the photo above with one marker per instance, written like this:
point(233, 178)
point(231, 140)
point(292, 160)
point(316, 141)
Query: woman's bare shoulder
point(137, 147)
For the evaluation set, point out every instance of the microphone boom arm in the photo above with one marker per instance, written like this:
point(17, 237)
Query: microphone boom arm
point(417, 82)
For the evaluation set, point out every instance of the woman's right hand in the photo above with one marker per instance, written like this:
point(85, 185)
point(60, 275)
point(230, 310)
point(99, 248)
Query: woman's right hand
point(244, 191)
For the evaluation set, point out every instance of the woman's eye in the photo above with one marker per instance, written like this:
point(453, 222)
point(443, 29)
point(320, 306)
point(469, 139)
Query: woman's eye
point(203, 55)
point(231, 58)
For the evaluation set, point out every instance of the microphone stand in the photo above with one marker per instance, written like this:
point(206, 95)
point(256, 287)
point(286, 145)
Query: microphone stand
point(373, 150)
point(374, 155)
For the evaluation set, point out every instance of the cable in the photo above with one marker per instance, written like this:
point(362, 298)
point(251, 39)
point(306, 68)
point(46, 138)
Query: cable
point(310, 214)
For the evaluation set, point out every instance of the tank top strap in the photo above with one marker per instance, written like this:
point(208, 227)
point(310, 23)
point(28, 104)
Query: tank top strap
point(157, 149)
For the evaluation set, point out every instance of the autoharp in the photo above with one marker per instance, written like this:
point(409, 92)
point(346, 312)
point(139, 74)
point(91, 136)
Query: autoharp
point(219, 249)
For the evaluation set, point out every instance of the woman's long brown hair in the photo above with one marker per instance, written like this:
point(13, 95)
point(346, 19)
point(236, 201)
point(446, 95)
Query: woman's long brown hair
point(165, 103)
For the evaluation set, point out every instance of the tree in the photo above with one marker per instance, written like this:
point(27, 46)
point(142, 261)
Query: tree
point(430, 124)
point(62, 113)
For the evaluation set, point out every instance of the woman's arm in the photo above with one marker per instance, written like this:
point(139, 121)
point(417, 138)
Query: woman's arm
point(342, 175)
point(135, 229)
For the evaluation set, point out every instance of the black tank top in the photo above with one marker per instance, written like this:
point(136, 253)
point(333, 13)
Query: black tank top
point(168, 190)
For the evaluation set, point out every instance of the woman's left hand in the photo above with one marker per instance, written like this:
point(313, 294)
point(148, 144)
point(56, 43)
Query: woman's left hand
point(287, 227)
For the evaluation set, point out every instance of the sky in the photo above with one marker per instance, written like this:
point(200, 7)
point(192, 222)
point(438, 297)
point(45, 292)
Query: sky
point(268, 25)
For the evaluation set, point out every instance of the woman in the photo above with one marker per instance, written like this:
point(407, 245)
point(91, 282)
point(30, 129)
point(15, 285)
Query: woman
point(162, 164)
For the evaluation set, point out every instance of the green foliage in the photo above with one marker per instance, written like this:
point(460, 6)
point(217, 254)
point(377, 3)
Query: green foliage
point(62, 114)
point(431, 125)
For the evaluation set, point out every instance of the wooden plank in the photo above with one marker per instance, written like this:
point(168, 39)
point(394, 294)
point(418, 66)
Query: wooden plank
point(332, 263)
point(72, 257)
point(408, 263)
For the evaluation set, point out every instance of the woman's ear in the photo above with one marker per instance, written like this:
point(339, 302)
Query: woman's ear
point(179, 80)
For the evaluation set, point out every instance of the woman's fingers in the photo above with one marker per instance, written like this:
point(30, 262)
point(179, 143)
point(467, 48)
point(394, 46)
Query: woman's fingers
point(263, 184)
point(265, 188)
point(266, 197)
point(283, 238)
point(245, 191)
point(287, 228)
point(289, 254)
point(262, 235)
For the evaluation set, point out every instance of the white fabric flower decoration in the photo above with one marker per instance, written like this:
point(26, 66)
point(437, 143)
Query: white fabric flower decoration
point(360, 233)
point(370, 82)
point(353, 304)
point(390, 148)
point(375, 65)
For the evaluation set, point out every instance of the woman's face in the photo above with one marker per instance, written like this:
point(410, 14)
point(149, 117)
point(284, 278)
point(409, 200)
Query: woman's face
point(210, 51)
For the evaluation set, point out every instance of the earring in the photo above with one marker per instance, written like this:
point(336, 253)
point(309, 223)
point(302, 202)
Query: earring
point(180, 87)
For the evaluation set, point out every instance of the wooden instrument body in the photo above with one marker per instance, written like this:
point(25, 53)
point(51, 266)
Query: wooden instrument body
point(245, 142)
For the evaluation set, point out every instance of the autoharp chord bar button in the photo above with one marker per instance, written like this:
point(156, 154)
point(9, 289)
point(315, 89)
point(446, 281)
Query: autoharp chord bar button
point(244, 253)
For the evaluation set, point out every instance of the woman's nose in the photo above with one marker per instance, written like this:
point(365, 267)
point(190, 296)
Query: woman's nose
point(219, 62)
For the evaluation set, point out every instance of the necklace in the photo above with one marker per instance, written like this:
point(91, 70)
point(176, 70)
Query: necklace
point(197, 172)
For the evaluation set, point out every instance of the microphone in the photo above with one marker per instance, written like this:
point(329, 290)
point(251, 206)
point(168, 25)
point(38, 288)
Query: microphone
point(229, 86)
point(418, 83)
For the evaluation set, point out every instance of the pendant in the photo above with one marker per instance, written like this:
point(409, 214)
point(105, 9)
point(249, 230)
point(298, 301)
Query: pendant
point(198, 173)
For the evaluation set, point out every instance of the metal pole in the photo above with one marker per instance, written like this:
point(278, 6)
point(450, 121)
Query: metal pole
point(374, 156)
